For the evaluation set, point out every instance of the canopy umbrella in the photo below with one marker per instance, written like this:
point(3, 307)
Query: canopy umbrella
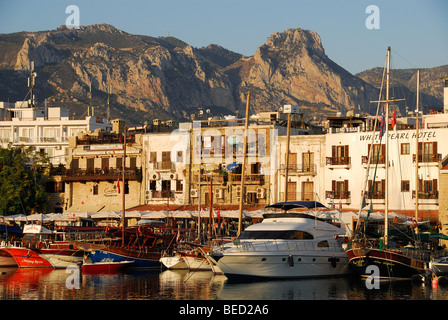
point(39, 217)
point(106, 215)
point(180, 214)
point(153, 215)
point(232, 166)
point(133, 214)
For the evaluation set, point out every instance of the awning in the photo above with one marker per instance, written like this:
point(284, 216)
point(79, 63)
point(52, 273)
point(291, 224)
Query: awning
point(85, 208)
point(179, 214)
point(106, 215)
point(153, 215)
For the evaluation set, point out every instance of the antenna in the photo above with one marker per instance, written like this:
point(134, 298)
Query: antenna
point(31, 83)
point(109, 92)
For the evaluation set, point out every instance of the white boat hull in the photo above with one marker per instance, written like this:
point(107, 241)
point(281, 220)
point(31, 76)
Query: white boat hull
point(197, 263)
point(61, 261)
point(174, 262)
point(283, 265)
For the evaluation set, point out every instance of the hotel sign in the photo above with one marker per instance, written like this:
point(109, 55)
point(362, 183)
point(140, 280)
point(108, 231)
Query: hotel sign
point(400, 135)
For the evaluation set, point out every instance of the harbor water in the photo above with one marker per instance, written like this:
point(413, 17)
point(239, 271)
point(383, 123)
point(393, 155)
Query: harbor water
point(62, 284)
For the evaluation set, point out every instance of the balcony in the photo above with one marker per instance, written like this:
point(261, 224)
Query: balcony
point(161, 194)
point(430, 197)
point(338, 162)
point(84, 175)
point(248, 179)
point(337, 195)
point(427, 158)
point(300, 169)
point(164, 166)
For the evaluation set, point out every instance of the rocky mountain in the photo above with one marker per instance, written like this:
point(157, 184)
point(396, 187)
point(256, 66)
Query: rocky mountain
point(167, 78)
point(404, 84)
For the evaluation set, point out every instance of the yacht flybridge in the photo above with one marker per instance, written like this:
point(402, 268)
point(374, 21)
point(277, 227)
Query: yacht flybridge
point(287, 244)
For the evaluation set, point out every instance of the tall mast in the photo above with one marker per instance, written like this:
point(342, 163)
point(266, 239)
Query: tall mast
point(386, 198)
point(243, 168)
point(288, 134)
point(416, 150)
point(123, 191)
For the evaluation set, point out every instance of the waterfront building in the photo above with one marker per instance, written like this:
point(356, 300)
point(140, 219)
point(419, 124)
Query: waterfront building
point(443, 197)
point(306, 169)
point(166, 176)
point(45, 129)
point(218, 154)
point(347, 154)
point(93, 174)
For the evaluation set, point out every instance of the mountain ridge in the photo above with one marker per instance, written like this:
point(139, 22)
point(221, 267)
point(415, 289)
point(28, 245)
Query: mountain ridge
point(165, 77)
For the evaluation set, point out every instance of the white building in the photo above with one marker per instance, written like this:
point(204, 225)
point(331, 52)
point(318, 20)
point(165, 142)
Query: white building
point(45, 129)
point(165, 175)
point(346, 166)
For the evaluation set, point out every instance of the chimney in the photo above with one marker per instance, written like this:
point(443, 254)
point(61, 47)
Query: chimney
point(445, 97)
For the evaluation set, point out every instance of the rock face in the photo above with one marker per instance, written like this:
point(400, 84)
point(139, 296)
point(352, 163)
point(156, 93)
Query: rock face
point(165, 77)
point(292, 68)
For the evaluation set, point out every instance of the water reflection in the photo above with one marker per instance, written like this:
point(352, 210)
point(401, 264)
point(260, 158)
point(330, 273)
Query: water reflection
point(49, 284)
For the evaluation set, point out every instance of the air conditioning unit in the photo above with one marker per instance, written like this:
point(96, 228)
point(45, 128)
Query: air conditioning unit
point(261, 193)
point(219, 193)
point(194, 193)
point(173, 176)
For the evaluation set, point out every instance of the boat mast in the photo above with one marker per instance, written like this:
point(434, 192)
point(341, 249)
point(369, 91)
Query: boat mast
point(386, 198)
point(288, 134)
point(123, 191)
point(416, 152)
point(243, 168)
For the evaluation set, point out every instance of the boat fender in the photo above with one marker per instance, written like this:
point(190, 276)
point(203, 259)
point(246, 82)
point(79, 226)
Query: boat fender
point(333, 261)
point(414, 223)
point(291, 261)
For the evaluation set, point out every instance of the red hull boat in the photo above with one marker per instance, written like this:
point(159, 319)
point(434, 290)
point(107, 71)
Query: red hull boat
point(105, 267)
point(27, 258)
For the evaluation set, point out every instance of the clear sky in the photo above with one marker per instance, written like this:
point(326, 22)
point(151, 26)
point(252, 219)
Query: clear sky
point(416, 30)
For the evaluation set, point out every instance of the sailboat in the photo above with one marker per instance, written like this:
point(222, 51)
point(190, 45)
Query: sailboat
point(394, 259)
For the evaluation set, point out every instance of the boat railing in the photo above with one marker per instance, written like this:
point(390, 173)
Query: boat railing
point(278, 246)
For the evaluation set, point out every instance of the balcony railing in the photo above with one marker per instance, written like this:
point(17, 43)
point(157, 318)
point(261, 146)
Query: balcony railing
point(69, 175)
point(301, 169)
point(337, 195)
point(426, 194)
point(162, 194)
point(344, 161)
point(164, 166)
point(428, 157)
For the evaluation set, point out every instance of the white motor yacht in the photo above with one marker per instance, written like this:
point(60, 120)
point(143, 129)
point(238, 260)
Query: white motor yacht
point(286, 245)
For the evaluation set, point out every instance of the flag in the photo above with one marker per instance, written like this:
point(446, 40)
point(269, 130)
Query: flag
point(219, 214)
point(394, 119)
point(118, 185)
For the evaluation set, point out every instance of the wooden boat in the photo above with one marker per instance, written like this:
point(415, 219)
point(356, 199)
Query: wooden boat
point(28, 258)
point(6, 259)
point(393, 255)
point(105, 267)
point(175, 261)
point(143, 245)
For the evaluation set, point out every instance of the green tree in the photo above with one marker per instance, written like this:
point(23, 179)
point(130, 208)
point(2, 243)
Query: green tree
point(22, 181)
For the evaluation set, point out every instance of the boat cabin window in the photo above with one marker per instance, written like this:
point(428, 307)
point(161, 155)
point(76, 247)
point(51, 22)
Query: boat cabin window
point(323, 244)
point(36, 237)
point(277, 234)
